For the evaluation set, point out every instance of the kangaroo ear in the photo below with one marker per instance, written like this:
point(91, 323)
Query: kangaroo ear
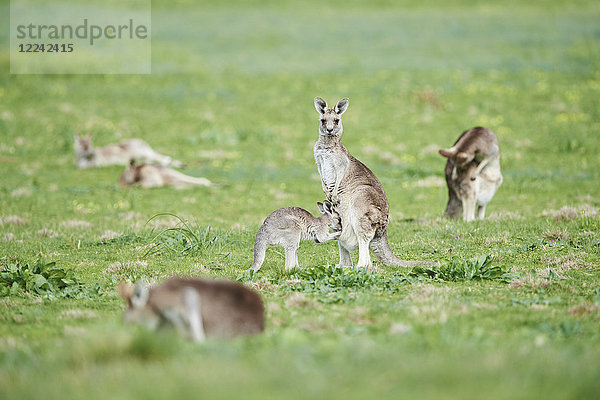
point(341, 106)
point(140, 295)
point(321, 207)
point(446, 153)
point(320, 105)
point(463, 158)
point(125, 290)
point(328, 207)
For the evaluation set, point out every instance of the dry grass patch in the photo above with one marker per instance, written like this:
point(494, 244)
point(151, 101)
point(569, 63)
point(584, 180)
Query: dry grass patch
point(262, 285)
point(202, 269)
point(389, 158)
point(299, 300)
point(584, 308)
point(500, 239)
point(566, 263)
point(121, 269)
point(531, 282)
point(568, 213)
point(12, 220)
point(559, 236)
point(399, 328)
point(20, 192)
point(429, 97)
point(360, 316)
point(130, 215)
point(48, 233)
point(78, 314)
point(428, 292)
point(76, 223)
point(107, 235)
point(8, 237)
point(503, 215)
point(74, 331)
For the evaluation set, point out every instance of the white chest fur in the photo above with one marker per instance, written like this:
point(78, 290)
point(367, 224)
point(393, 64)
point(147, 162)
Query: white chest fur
point(332, 166)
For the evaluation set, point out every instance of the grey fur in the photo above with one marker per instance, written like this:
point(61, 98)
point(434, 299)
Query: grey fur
point(118, 154)
point(355, 191)
point(156, 175)
point(196, 308)
point(472, 173)
point(290, 225)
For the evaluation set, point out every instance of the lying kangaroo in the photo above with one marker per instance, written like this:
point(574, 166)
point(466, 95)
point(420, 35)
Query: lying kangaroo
point(472, 173)
point(288, 226)
point(117, 154)
point(355, 192)
point(196, 308)
point(155, 175)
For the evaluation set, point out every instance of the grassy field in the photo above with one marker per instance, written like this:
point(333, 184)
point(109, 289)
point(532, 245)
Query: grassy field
point(231, 94)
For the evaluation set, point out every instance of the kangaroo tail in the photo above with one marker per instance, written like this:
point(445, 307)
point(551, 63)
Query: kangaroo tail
point(381, 248)
point(197, 181)
point(260, 248)
point(180, 180)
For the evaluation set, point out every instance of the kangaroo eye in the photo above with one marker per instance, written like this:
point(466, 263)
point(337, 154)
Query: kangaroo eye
point(322, 121)
point(336, 121)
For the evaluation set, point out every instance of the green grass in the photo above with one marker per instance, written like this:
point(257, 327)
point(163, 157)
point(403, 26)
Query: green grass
point(231, 94)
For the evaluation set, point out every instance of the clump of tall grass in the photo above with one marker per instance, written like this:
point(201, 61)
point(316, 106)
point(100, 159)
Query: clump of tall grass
point(183, 240)
point(479, 268)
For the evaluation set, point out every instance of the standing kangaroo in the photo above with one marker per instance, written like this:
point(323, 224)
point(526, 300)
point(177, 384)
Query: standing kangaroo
point(118, 154)
point(472, 173)
point(196, 308)
point(355, 192)
point(288, 226)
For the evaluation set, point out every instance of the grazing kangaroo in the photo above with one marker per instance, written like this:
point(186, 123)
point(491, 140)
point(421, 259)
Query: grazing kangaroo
point(288, 226)
point(196, 308)
point(118, 154)
point(155, 175)
point(355, 192)
point(472, 173)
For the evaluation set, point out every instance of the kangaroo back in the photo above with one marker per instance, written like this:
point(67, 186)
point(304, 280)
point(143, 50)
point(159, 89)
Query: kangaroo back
point(473, 144)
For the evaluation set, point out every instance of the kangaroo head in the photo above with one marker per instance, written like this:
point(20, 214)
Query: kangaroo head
point(465, 178)
point(334, 219)
point(83, 146)
point(131, 174)
point(138, 311)
point(330, 119)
